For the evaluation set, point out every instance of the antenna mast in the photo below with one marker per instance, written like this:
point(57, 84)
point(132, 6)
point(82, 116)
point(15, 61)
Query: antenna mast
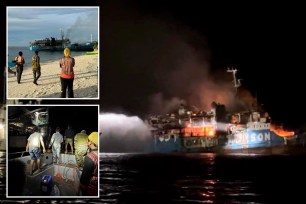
point(235, 80)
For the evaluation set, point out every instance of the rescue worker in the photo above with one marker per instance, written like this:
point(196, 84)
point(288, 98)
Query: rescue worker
point(69, 134)
point(89, 177)
point(80, 146)
point(19, 66)
point(56, 141)
point(33, 147)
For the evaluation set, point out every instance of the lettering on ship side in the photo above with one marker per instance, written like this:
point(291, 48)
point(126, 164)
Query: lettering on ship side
point(249, 138)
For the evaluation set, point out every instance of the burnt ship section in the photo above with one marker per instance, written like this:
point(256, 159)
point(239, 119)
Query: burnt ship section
point(191, 131)
point(53, 44)
point(216, 130)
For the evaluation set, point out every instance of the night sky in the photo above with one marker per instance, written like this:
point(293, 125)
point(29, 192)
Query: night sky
point(155, 54)
point(164, 52)
point(79, 117)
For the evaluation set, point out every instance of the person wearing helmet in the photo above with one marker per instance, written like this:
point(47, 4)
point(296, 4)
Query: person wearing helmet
point(89, 177)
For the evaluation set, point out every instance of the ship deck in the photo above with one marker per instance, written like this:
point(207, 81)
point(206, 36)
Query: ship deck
point(64, 182)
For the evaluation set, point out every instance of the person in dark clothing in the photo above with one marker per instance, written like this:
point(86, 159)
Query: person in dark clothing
point(36, 67)
point(69, 135)
point(89, 177)
point(67, 74)
point(19, 66)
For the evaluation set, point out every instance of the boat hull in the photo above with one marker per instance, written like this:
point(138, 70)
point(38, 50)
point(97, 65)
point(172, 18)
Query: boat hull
point(260, 142)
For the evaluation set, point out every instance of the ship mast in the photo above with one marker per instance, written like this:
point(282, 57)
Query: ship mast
point(235, 80)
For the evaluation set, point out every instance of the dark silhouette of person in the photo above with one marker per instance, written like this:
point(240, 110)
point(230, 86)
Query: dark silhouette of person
point(36, 67)
point(19, 65)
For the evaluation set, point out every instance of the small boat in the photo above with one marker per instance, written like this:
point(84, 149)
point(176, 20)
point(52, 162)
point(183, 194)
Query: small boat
point(92, 53)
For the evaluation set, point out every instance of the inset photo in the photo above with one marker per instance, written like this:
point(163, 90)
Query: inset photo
point(53, 52)
point(52, 151)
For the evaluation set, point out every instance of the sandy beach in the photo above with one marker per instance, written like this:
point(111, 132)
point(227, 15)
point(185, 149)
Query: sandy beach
point(85, 83)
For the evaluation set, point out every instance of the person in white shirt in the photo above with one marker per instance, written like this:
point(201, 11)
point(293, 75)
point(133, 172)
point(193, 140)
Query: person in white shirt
point(33, 147)
point(56, 141)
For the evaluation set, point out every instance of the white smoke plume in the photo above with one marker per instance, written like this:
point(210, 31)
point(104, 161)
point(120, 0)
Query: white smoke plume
point(83, 27)
point(122, 133)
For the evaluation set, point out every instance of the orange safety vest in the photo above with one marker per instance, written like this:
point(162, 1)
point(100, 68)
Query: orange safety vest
point(19, 60)
point(67, 64)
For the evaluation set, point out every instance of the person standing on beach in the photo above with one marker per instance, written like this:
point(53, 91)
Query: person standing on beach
point(36, 67)
point(67, 75)
point(19, 66)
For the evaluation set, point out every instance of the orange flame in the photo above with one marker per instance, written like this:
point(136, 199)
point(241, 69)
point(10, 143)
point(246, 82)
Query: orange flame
point(209, 131)
point(279, 130)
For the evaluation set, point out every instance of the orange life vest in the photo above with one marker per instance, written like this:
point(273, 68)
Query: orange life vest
point(67, 64)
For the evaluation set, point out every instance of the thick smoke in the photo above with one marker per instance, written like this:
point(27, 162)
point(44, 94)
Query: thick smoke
point(83, 27)
point(185, 75)
point(121, 133)
point(160, 61)
point(160, 105)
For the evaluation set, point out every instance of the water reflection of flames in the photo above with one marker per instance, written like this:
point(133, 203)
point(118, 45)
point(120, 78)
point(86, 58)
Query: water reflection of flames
point(279, 130)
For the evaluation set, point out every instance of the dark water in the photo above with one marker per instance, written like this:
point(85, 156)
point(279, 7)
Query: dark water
point(197, 178)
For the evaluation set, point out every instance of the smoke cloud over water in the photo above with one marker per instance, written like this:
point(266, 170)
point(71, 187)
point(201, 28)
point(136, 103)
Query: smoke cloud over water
point(167, 62)
point(185, 76)
point(121, 133)
point(83, 27)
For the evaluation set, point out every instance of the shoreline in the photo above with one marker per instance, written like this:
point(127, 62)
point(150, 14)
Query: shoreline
point(85, 83)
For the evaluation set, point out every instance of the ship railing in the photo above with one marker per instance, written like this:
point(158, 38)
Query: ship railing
point(13, 155)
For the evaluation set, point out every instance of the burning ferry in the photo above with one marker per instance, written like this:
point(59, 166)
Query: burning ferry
point(217, 130)
point(53, 44)
point(190, 131)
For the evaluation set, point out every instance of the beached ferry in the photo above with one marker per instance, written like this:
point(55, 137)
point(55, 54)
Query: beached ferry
point(53, 44)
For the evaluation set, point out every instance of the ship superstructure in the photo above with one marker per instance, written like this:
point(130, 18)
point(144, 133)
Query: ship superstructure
point(183, 131)
point(53, 44)
point(215, 130)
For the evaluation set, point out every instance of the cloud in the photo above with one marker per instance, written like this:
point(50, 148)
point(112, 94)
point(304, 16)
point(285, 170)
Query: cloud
point(37, 23)
point(122, 133)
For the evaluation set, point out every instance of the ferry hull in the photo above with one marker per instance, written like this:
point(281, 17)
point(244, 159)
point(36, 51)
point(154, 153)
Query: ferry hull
point(271, 144)
point(72, 47)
